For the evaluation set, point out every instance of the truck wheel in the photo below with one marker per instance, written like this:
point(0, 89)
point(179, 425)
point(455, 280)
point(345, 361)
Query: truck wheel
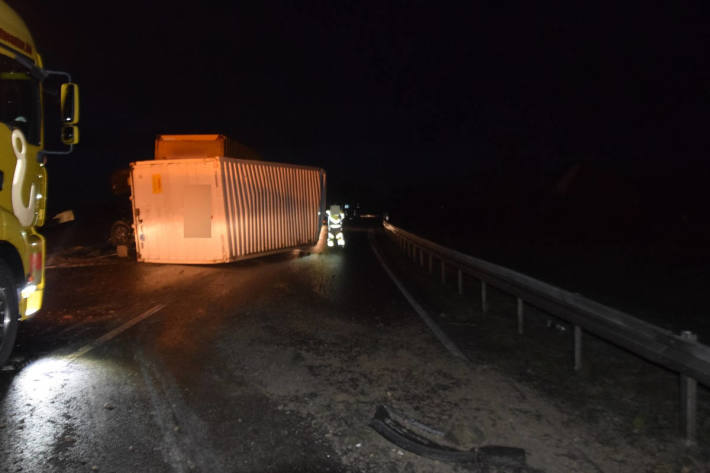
point(9, 313)
point(121, 234)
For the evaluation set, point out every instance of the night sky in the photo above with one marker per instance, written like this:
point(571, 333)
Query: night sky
point(398, 101)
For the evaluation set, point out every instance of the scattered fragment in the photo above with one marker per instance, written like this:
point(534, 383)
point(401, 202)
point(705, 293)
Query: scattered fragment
point(419, 444)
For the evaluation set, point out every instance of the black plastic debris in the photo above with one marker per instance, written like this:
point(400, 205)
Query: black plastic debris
point(390, 428)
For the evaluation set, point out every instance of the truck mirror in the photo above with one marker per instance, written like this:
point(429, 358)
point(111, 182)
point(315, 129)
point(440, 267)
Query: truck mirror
point(70, 134)
point(70, 103)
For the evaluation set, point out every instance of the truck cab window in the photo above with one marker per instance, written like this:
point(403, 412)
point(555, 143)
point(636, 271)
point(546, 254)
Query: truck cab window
point(19, 99)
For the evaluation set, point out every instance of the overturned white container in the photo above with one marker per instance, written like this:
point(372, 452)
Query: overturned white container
point(216, 210)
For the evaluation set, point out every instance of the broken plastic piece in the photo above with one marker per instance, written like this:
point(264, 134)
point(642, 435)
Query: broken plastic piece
point(386, 425)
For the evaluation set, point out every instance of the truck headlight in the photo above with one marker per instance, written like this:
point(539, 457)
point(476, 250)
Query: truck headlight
point(28, 290)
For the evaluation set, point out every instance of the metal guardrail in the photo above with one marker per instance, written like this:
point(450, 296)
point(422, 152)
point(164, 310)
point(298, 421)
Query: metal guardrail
point(680, 353)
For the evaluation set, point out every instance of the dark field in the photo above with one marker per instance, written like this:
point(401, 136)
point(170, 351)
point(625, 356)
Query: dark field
point(663, 281)
point(622, 398)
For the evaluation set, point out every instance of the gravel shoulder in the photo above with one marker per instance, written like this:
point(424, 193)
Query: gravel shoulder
point(628, 408)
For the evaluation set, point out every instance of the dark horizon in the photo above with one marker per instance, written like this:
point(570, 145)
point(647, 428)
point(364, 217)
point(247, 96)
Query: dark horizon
point(393, 100)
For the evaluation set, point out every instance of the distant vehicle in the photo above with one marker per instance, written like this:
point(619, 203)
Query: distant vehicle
point(335, 226)
point(23, 176)
point(193, 209)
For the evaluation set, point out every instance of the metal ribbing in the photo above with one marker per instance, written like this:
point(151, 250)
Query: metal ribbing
point(283, 203)
point(316, 203)
point(307, 204)
point(313, 216)
point(241, 205)
point(269, 207)
point(285, 206)
point(273, 194)
point(246, 204)
point(230, 206)
point(251, 227)
point(279, 213)
point(309, 199)
point(227, 203)
point(276, 207)
point(261, 207)
point(241, 220)
point(238, 210)
point(299, 206)
point(275, 216)
point(258, 209)
point(306, 216)
point(236, 216)
point(309, 195)
point(265, 227)
point(268, 216)
point(294, 205)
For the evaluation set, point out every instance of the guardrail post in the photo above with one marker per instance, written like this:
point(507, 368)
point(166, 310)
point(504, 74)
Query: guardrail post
point(484, 297)
point(460, 281)
point(443, 272)
point(689, 400)
point(577, 348)
point(431, 263)
point(521, 308)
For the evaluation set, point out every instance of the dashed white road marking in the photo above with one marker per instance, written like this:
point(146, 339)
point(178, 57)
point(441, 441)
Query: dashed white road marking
point(114, 333)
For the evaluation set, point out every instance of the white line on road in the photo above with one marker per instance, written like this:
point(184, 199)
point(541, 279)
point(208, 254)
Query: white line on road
point(113, 333)
point(79, 265)
point(440, 335)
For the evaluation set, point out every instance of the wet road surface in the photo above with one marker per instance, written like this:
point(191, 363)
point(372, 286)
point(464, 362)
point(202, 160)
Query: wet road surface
point(172, 392)
point(269, 365)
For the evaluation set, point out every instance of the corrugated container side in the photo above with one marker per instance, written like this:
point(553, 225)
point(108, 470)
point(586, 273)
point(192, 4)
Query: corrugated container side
point(223, 209)
point(270, 206)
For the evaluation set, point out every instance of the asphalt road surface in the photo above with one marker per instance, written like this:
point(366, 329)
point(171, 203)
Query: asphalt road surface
point(269, 365)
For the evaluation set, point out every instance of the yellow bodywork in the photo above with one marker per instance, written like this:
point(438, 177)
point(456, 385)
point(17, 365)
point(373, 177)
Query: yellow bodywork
point(15, 35)
point(27, 176)
point(24, 239)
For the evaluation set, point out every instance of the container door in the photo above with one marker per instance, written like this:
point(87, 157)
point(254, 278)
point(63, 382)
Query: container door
point(175, 204)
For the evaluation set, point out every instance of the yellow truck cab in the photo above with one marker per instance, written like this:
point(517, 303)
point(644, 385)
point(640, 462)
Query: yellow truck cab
point(23, 176)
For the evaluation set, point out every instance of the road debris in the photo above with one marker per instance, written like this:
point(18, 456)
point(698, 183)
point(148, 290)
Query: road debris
point(419, 442)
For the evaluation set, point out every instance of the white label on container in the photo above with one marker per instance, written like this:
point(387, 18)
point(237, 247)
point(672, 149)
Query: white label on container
point(198, 212)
